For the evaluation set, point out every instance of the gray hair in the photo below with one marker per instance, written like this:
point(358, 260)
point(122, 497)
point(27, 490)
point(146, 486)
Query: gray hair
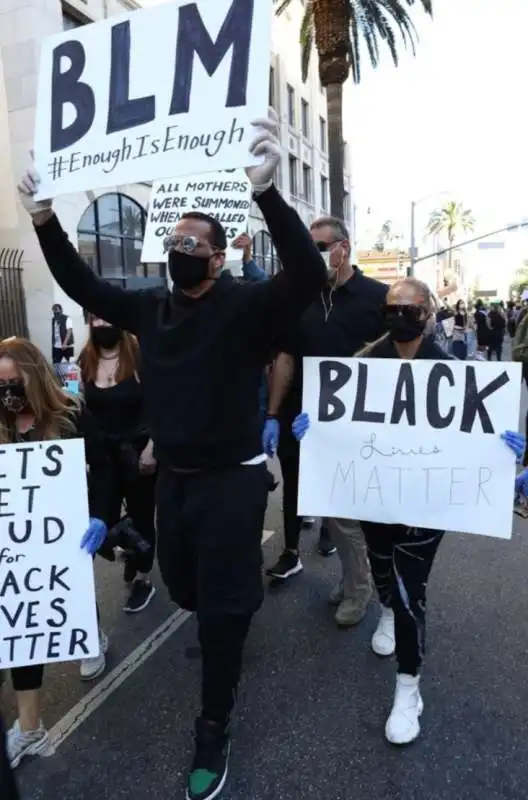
point(339, 227)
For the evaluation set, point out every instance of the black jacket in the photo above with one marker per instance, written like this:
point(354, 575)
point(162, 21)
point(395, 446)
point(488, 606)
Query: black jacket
point(428, 349)
point(202, 359)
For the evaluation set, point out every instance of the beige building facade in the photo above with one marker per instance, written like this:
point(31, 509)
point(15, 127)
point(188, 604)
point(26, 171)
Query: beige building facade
point(107, 226)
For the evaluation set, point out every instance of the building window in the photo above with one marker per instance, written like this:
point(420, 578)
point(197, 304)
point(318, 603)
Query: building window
point(305, 119)
point(322, 134)
point(265, 254)
point(324, 193)
point(110, 239)
point(271, 99)
point(346, 206)
point(291, 106)
point(307, 183)
point(292, 164)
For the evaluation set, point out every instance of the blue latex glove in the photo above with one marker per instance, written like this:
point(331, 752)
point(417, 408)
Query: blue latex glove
point(270, 437)
point(515, 442)
point(521, 484)
point(301, 425)
point(94, 536)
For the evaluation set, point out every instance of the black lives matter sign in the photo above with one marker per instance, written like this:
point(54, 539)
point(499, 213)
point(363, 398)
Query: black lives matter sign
point(169, 90)
point(410, 442)
point(47, 598)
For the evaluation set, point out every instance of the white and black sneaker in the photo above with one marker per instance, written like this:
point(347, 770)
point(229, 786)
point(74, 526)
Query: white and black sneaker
point(140, 596)
point(289, 564)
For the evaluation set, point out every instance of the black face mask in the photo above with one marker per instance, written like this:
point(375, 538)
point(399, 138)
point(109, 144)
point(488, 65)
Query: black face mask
point(106, 336)
point(13, 397)
point(188, 271)
point(402, 329)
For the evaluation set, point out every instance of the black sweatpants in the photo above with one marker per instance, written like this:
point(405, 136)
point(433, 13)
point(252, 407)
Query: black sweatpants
point(8, 789)
point(288, 453)
point(139, 496)
point(401, 559)
point(209, 526)
point(495, 347)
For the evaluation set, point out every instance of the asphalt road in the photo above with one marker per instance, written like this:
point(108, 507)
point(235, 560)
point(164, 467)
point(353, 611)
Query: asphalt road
point(314, 699)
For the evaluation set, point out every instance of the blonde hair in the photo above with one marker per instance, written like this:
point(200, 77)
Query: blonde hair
point(430, 303)
point(54, 410)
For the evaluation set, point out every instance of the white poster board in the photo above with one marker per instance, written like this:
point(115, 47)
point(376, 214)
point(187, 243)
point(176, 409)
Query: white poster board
point(167, 90)
point(410, 442)
point(47, 596)
point(225, 195)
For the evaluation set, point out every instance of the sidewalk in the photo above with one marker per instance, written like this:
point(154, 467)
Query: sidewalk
point(314, 700)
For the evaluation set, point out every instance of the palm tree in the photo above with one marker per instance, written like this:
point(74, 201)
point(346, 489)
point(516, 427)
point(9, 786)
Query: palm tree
point(336, 27)
point(451, 219)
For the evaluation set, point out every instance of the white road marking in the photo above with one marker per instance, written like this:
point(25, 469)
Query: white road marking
point(113, 680)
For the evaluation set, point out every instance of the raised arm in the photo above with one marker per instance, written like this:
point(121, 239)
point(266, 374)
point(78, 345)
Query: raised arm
point(74, 276)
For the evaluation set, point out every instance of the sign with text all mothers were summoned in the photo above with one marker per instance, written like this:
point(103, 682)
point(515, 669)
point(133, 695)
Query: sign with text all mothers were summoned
point(47, 597)
point(410, 442)
point(225, 195)
point(168, 90)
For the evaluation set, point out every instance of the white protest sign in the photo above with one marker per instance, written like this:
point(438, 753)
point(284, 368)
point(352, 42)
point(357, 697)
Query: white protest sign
point(410, 442)
point(224, 195)
point(167, 90)
point(47, 597)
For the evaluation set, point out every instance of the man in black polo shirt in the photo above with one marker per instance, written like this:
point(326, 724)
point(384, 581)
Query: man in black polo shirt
point(347, 316)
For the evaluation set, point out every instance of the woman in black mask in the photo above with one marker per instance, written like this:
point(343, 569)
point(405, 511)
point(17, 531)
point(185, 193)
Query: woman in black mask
point(401, 557)
point(109, 364)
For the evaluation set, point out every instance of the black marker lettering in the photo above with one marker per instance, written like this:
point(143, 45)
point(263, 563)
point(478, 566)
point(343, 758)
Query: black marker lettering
point(57, 604)
point(33, 637)
point(51, 536)
point(331, 407)
point(435, 419)
point(360, 414)
point(31, 613)
point(56, 576)
point(54, 644)
point(25, 452)
point(31, 496)
point(11, 640)
point(4, 504)
point(67, 88)
point(24, 536)
point(12, 619)
point(404, 397)
point(3, 475)
point(52, 452)
point(28, 578)
point(474, 401)
point(193, 37)
point(78, 638)
point(123, 112)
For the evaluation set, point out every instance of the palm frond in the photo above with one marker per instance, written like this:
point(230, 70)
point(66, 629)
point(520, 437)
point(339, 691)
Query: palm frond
point(283, 5)
point(306, 39)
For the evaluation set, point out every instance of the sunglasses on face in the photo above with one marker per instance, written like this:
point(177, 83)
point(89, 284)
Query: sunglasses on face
point(407, 311)
point(324, 247)
point(185, 244)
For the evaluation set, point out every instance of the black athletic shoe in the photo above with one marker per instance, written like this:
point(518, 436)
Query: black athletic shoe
point(211, 761)
point(140, 596)
point(289, 564)
point(325, 546)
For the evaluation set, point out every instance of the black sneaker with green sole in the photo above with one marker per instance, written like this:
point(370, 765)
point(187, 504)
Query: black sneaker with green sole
point(211, 761)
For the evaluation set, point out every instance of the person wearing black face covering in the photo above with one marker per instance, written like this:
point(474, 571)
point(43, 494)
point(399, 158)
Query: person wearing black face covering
point(109, 363)
point(401, 558)
point(203, 349)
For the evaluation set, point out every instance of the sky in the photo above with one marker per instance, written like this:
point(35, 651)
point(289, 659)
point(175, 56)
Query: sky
point(453, 119)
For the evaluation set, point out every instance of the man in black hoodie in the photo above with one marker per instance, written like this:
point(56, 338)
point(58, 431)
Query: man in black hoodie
point(203, 349)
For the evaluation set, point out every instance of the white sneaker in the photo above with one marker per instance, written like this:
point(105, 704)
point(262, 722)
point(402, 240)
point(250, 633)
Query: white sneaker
point(27, 743)
point(384, 640)
point(91, 668)
point(403, 725)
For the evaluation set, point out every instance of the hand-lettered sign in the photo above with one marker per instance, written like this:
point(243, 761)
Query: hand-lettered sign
point(168, 90)
point(47, 597)
point(410, 442)
point(225, 195)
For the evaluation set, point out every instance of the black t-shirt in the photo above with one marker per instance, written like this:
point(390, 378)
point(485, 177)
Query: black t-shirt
point(337, 325)
point(118, 409)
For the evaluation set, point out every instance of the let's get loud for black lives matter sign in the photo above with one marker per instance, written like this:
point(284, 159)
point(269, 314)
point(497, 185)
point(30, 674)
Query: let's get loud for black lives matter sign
point(47, 597)
point(410, 442)
point(164, 91)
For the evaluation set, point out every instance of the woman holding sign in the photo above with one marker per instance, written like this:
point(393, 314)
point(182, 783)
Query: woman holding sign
point(109, 364)
point(34, 408)
point(400, 557)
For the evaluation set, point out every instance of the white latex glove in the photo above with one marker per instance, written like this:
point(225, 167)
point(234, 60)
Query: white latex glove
point(27, 188)
point(266, 144)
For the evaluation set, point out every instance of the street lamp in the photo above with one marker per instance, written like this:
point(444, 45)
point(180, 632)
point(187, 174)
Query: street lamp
point(414, 203)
